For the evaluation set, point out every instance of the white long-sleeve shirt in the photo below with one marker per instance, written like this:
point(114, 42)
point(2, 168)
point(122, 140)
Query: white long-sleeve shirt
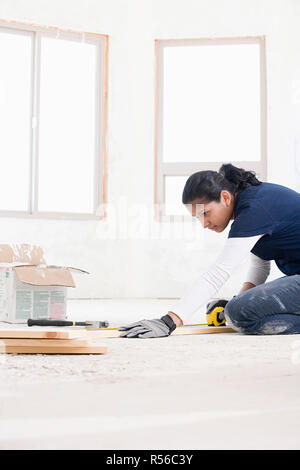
point(210, 282)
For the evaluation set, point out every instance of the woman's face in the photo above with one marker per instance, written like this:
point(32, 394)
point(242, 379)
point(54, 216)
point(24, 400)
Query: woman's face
point(214, 215)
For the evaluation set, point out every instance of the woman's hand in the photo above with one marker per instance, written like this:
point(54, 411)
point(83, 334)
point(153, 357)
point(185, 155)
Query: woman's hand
point(176, 319)
point(156, 328)
point(247, 286)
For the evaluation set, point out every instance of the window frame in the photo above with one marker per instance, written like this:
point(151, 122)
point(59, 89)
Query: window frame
point(163, 169)
point(100, 157)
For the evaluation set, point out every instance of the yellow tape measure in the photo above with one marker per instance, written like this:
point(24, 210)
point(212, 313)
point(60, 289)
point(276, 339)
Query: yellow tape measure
point(213, 317)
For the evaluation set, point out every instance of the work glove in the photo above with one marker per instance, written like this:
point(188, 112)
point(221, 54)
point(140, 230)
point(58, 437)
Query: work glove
point(149, 328)
point(215, 312)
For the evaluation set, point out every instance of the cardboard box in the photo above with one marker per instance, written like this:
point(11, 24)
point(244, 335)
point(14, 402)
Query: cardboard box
point(29, 288)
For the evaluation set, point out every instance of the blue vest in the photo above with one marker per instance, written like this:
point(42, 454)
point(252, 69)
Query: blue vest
point(273, 210)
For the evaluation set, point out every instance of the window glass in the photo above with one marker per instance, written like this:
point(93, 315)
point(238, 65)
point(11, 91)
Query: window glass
point(67, 126)
point(211, 103)
point(173, 195)
point(15, 120)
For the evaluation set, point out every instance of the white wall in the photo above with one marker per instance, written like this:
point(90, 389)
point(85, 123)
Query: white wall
point(129, 267)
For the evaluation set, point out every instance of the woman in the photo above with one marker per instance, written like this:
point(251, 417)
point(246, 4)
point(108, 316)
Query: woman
point(266, 225)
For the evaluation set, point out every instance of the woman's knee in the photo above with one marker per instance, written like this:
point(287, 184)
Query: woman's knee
point(232, 312)
point(238, 315)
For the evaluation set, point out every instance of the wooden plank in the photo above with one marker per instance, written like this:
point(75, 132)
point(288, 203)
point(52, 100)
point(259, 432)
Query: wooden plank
point(182, 330)
point(47, 350)
point(91, 349)
point(102, 333)
point(42, 333)
point(26, 342)
point(186, 330)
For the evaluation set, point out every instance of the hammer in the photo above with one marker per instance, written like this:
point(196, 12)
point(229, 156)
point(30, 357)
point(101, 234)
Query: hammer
point(86, 324)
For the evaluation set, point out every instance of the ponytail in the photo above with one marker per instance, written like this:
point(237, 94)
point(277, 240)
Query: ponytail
point(207, 185)
point(240, 178)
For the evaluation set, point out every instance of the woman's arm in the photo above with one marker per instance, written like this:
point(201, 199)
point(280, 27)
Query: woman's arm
point(176, 319)
point(206, 287)
point(246, 286)
point(258, 272)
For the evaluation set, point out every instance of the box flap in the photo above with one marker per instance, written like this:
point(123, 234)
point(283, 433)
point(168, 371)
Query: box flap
point(48, 276)
point(75, 270)
point(22, 253)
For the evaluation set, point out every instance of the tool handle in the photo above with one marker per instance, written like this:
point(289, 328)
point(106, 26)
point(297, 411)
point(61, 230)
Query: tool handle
point(31, 322)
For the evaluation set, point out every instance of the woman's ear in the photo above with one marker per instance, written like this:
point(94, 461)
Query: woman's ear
point(226, 197)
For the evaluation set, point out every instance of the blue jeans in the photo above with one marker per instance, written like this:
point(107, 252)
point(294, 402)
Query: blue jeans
point(272, 308)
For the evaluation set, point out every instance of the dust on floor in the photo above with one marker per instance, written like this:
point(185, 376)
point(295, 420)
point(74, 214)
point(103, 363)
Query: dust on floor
point(226, 391)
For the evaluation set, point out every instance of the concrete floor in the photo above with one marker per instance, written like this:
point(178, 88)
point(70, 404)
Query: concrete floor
point(224, 391)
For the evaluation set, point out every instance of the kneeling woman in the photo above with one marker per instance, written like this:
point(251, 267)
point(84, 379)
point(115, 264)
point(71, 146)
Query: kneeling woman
point(266, 224)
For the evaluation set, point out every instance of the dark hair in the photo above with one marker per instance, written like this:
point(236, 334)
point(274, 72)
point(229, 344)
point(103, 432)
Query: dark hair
point(207, 185)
